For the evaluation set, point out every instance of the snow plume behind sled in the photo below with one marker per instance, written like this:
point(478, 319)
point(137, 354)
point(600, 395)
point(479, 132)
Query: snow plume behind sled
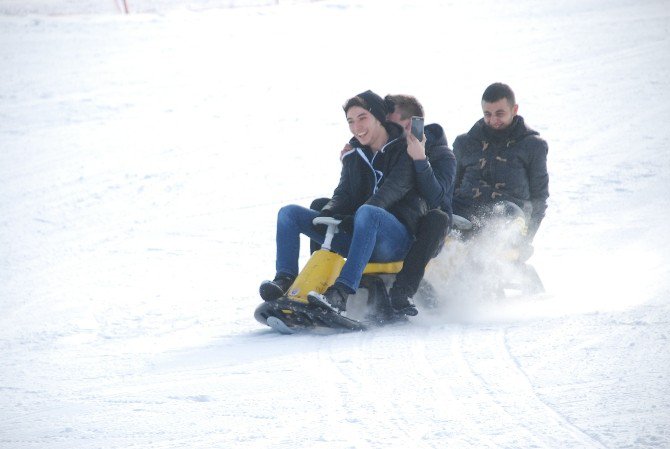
point(472, 280)
point(480, 277)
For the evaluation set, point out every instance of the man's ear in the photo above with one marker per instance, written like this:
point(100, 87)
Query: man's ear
point(515, 109)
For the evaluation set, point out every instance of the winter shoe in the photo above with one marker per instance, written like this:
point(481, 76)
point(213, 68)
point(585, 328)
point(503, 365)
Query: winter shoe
point(401, 302)
point(275, 289)
point(336, 295)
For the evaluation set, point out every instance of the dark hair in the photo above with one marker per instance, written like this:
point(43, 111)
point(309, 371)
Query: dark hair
point(407, 105)
point(498, 91)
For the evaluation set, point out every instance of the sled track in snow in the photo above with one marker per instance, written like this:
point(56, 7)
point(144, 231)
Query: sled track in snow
point(369, 407)
point(451, 387)
point(505, 400)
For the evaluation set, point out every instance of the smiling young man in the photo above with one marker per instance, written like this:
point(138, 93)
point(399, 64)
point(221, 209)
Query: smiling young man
point(376, 199)
point(501, 159)
point(435, 168)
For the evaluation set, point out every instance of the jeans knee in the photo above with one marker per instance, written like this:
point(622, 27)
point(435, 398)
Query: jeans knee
point(367, 212)
point(287, 213)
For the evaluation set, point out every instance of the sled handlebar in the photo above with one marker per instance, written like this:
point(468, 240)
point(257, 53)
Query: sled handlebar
point(331, 229)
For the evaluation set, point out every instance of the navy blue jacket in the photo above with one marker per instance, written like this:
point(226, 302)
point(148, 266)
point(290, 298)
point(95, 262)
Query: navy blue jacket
point(385, 179)
point(435, 176)
point(493, 166)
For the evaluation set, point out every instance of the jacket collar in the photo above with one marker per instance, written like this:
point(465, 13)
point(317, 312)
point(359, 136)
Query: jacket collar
point(517, 131)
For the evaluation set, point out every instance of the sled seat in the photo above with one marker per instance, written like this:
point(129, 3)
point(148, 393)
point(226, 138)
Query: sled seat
point(383, 267)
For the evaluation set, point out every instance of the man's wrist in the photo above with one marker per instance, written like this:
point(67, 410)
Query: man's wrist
point(421, 164)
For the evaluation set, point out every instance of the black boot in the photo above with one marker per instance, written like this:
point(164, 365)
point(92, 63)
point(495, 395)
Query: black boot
point(401, 302)
point(337, 295)
point(275, 289)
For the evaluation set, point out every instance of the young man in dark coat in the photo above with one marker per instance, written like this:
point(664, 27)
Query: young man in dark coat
point(501, 159)
point(376, 199)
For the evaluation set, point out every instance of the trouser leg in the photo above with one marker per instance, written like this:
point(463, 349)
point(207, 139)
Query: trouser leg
point(292, 221)
point(379, 237)
point(432, 231)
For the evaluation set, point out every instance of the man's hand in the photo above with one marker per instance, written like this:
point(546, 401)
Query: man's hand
point(321, 228)
point(345, 150)
point(416, 148)
point(347, 223)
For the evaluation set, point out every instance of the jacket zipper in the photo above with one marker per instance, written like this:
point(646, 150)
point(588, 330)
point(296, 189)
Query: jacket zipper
point(376, 173)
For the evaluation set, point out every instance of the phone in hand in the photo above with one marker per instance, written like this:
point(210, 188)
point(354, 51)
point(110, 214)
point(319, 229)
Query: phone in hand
point(417, 127)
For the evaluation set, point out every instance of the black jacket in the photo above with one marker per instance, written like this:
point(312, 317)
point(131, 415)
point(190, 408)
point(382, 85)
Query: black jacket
point(436, 174)
point(511, 165)
point(385, 179)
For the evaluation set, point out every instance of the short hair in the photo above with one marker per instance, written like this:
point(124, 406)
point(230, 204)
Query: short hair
point(498, 91)
point(407, 105)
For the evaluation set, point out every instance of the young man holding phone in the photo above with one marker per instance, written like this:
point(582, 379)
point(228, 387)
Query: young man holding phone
point(435, 168)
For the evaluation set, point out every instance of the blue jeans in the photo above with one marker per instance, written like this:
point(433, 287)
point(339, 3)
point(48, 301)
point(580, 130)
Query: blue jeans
point(378, 237)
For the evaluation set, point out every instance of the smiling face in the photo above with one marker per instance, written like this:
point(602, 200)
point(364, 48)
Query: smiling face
point(499, 115)
point(366, 128)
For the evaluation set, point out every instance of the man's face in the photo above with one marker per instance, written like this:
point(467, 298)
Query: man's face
point(363, 125)
point(499, 115)
point(396, 117)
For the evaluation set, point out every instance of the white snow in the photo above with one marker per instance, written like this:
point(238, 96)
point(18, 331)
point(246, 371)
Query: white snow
point(143, 158)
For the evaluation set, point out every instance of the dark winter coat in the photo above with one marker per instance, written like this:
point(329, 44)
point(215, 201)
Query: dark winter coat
point(435, 176)
point(385, 179)
point(494, 166)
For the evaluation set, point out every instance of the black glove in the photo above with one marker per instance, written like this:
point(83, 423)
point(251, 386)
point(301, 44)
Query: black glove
point(346, 223)
point(525, 245)
point(321, 229)
point(533, 226)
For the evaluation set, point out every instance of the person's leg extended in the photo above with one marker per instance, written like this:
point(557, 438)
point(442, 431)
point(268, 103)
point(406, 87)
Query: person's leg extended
point(432, 231)
point(378, 237)
point(292, 221)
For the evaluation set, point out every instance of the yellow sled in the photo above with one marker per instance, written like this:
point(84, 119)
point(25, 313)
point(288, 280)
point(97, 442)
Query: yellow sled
point(295, 312)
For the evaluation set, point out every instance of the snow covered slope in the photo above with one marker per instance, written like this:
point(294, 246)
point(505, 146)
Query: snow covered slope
point(143, 159)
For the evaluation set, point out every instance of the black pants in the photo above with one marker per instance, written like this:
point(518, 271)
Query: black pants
point(432, 231)
point(430, 235)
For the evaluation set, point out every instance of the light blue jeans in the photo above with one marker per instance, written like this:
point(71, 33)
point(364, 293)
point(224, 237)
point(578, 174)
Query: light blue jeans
point(378, 237)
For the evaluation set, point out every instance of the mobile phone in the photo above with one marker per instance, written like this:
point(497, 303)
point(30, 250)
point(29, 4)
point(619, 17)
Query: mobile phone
point(417, 127)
